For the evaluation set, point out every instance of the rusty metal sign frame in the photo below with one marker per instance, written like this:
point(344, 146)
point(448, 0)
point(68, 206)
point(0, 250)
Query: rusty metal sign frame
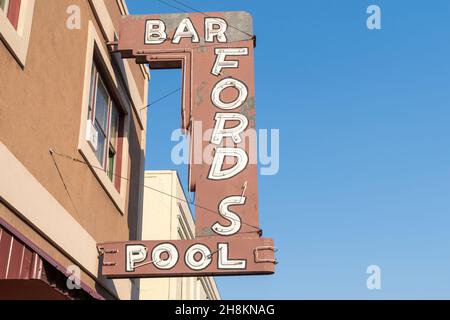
point(216, 53)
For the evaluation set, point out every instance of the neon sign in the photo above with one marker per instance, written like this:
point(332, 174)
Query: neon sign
point(216, 53)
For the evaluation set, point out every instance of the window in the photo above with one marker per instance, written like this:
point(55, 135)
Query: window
point(12, 10)
point(105, 122)
point(4, 4)
point(106, 119)
point(16, 19)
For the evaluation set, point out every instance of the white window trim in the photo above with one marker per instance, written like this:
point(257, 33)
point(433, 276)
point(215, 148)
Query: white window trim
point(94, 43)
point(18, 40)
point(107, 27)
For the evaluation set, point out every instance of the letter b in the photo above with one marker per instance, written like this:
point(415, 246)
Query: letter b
point(155, 32)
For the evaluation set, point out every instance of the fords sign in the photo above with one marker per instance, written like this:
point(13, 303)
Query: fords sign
point(216, 53)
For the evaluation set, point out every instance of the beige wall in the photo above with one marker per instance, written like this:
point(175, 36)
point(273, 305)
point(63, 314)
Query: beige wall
point(168, 218)
point(40, 108)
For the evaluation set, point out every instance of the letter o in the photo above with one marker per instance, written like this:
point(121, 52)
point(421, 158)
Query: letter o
point(168, 248)
point(201, 264)
point(228, 83)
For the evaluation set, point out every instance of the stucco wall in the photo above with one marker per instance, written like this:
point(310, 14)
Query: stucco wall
point(40, 107)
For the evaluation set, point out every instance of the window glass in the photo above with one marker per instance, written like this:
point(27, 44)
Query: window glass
point(12, 10)
point(100, 152)
point(4, 5)
point(107, 119)
point(114, 129)
point(92, 91)
point(101, 107)
point(114, 132)
point(111, 165)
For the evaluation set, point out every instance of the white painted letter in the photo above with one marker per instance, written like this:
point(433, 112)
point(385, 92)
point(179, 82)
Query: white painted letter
point(227, 83)
point(216, 172)
point(220, 132)
point(221, 61)
point(155, 32)
point(135, 254)
point(211, 32)
point(224, 263)
point(170, 262)
point(185, 30)
point(203, 262)
point(233, 218)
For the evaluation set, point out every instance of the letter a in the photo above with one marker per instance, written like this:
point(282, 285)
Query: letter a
point(374, 20)
point(74, 20)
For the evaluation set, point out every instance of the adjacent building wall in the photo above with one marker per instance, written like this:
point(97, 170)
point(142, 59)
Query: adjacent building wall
point(41, 103)
point(167, 216)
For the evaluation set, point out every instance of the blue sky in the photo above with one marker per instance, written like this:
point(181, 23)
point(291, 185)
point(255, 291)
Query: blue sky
point(365, 145)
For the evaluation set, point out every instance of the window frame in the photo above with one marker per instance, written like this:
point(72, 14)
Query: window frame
point(6, 5)
point(15, 31)
point(12, 10)
point(96, 52)
point(93, 112)
point(115, 146)
point(97, 79)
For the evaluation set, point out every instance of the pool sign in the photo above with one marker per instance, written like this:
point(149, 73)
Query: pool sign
point(216, 53)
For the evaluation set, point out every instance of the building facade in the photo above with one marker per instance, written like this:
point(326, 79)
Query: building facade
point(167, 216)
point(72, 148)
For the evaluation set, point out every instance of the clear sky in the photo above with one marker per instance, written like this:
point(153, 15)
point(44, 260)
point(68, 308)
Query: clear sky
point(364, 117)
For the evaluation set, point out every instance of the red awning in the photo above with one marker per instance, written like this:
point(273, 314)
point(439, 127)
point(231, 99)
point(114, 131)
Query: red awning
point(28, 273)
point(29, 290)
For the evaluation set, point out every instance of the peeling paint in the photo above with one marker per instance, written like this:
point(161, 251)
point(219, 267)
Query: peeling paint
point(248, 109)
point(207, 231)
point(172, 20)
point(199, 94)
point(240, 25)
